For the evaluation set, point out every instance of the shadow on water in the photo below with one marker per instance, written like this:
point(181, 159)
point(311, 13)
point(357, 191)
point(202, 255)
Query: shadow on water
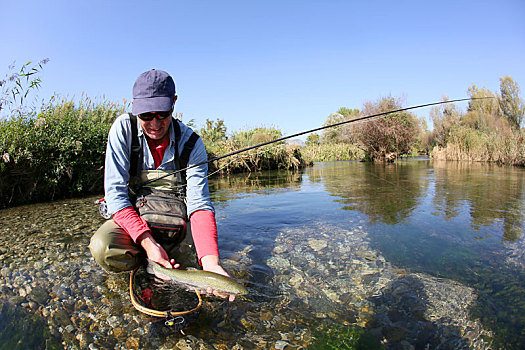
point(402, 314)
point(22, 330)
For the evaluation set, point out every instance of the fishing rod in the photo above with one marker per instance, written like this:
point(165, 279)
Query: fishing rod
point(310, 131)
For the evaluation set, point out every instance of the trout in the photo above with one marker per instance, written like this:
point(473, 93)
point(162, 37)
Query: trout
point(198, 279)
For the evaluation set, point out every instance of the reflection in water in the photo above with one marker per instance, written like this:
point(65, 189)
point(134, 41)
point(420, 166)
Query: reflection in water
point(486, 195)
point(493, 194)
point(387, 193)
point(226, 188)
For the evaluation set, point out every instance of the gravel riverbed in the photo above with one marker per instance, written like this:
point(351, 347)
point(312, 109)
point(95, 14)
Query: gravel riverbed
point(53, 295)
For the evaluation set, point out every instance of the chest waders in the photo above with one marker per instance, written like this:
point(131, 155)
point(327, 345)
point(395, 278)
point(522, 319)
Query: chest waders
point(162, 203)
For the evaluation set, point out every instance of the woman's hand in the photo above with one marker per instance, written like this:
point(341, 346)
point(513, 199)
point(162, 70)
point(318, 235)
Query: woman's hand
point(211, 263)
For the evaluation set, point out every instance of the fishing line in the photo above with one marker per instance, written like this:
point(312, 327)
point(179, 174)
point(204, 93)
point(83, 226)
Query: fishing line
point(310, 131)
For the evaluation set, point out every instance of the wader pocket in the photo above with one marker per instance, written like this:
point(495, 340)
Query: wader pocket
point(165, 213)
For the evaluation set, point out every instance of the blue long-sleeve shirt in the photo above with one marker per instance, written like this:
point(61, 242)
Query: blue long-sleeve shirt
point(116, 174)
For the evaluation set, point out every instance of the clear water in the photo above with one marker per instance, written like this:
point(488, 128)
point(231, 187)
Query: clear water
point(459, 221)
point(294, 239)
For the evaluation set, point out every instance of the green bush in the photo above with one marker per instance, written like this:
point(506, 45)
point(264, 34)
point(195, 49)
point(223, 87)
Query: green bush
point(503, 146)
point(255, 136)
point(59, 153)
point(327, 152)
point(274, 156)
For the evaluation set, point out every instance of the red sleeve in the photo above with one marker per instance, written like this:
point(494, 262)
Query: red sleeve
point(131, 222)
point(204, 232)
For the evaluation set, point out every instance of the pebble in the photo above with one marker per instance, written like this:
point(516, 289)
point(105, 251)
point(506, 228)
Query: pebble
point(113, 321)
point(281, 345)
point(133, 343)
point(45, 312)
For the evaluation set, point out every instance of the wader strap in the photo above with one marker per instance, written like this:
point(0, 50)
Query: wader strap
point(181, 180)
point(136, 149)
point(188, 147)
point(181, 162)
point(176, 127)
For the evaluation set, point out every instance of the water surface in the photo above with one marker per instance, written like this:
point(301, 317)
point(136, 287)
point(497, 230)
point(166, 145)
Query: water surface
point(418, 252)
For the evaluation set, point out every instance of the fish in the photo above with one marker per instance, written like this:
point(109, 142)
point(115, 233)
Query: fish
point(198, 279)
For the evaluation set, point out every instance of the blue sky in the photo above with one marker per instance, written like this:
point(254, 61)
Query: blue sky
point(287, 64)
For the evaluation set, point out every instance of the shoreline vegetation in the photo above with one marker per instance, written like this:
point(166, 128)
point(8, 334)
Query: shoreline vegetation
point(57, 150)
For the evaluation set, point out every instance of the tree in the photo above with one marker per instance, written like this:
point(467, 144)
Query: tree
point(255, 136)
point(343, 133)
point(483, 115)
point(444, 117)
point(512, 106)
point(347, 134)
point(312, 139)
point(386, 138)
point(331, 135)
point(213, 131)
point(424, 139)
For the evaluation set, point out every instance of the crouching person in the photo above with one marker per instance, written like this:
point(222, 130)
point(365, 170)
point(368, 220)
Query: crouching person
point(151, 211)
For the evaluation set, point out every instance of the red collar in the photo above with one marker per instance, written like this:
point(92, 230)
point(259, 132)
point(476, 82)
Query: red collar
point(158, 151)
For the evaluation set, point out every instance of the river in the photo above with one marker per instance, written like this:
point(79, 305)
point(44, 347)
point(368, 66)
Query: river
point(340, 255)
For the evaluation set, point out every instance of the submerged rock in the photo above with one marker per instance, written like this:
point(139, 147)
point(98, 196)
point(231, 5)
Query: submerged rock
point(317, 244)
point(401, 309)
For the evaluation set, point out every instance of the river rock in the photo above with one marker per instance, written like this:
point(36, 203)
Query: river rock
point(317, 244)
point(5, 272)
point(278, 262)
point(39, 295)
point(133, 343)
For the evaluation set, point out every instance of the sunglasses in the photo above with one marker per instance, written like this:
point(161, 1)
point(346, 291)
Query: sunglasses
point(147, 117)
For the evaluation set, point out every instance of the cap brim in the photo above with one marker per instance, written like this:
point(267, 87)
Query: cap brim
point(152, 104)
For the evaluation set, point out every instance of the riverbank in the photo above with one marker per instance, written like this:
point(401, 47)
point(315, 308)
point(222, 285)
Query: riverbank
point(60, 152)
point(501, 147)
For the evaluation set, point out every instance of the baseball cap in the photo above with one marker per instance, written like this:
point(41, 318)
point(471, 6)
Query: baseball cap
point(153, 91)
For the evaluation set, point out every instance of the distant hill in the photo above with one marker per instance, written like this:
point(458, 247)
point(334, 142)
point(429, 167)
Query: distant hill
point(297, 142)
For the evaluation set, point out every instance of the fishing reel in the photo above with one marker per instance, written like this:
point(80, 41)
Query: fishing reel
point(103, 208)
